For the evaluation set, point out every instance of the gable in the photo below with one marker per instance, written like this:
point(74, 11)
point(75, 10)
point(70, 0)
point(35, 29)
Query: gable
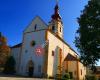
point(36, 22)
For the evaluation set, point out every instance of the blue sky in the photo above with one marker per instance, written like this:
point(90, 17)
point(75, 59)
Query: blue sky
point(15, 15)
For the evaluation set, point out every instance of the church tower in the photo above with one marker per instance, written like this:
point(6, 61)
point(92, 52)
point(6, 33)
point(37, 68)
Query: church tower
point(55, 24)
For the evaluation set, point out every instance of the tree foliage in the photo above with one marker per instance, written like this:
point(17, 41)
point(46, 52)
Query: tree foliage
point(88, 34)
point(10, 65)
point(66, 76)
point(4, 50)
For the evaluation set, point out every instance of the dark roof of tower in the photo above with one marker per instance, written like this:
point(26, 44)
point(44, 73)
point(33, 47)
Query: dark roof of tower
point(56, 15)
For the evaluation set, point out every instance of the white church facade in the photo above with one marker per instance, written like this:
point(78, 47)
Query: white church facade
point(44, 53)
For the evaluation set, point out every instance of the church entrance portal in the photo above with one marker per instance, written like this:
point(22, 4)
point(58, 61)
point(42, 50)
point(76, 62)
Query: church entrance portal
point(30, 68)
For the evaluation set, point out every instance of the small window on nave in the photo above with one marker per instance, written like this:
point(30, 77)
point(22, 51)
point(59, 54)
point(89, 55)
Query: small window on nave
point(26, 51)
point(81, 71)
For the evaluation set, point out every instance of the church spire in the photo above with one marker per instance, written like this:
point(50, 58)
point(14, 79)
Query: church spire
point(56, 15)
point(55, 24)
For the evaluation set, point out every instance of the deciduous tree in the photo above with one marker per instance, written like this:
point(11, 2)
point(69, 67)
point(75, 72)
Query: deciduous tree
point(4, 50)
point(88, 34)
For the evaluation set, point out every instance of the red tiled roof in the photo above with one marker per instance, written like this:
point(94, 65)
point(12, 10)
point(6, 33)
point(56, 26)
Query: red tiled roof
point(69, 57)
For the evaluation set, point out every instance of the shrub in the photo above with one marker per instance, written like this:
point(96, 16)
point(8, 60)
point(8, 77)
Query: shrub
point(58, 76)
point(91, 77)
point(10, 65)
point(66, 76)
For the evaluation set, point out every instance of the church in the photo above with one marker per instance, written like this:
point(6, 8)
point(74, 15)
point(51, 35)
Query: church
point(43, 51)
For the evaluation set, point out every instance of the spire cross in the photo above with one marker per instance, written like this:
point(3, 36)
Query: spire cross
point(57, 2)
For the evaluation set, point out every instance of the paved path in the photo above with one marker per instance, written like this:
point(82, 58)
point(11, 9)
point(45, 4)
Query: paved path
point(14, 78)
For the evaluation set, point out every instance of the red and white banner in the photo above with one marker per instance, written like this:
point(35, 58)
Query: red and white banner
point(39, 50)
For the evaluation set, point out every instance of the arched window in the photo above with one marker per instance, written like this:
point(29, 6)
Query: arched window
point(52, 53)
point(60, 29)
point(35, 27)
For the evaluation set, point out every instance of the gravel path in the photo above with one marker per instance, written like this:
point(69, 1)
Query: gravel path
point(14, 78)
